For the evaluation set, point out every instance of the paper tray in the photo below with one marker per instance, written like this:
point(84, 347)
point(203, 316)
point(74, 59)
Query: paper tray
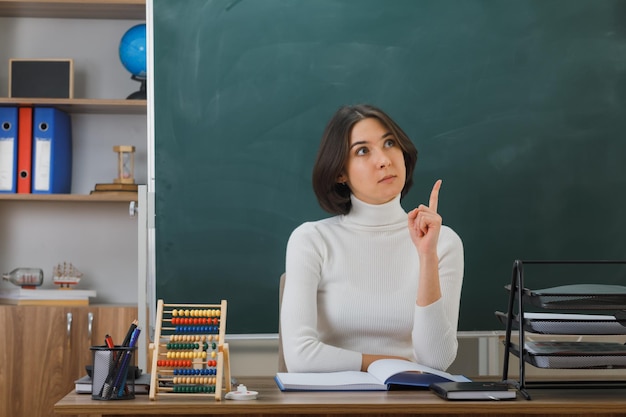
point(581, 324)
point(605, 355)
point(578, 296)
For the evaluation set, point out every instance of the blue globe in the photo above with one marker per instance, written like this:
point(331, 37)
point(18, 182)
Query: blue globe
point(133, 50)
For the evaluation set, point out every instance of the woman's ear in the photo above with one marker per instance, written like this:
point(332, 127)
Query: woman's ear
point(342, 179)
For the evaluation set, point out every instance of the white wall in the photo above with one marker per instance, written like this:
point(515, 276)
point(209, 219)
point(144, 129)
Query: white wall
point(91, 43)
point(100, 239)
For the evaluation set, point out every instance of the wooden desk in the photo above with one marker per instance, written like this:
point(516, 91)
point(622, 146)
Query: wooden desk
point(271, 401)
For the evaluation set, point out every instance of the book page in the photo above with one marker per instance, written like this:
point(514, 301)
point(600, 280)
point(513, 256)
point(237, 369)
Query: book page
point(382, 369)
point(329, 380)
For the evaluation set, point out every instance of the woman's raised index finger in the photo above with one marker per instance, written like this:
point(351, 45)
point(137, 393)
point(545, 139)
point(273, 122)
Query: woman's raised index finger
point(434, 196)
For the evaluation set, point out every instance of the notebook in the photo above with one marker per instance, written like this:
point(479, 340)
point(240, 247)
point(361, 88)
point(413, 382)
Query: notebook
point(474, 390)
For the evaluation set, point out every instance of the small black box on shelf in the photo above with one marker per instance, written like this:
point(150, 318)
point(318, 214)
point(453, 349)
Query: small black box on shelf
point(41, 78)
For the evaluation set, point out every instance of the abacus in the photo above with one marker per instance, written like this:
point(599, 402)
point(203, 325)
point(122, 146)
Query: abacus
point(189, 356)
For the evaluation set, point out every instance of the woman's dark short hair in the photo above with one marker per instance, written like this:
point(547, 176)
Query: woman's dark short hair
point(333, 155)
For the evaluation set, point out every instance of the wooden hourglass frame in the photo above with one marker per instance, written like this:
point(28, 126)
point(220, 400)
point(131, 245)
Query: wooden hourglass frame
point(125, 164)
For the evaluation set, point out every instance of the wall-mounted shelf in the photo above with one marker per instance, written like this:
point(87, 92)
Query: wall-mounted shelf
point(87, 198)
point(96, 230)
point(82, 105)
point(75, 9)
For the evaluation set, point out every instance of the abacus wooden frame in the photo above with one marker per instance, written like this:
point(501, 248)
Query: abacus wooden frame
point(223, 376)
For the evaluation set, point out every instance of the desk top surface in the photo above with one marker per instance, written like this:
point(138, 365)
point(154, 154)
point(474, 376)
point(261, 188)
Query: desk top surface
point(571, 401)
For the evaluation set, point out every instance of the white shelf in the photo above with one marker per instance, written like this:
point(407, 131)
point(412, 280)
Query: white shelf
point(87, 198)
point(82, 105)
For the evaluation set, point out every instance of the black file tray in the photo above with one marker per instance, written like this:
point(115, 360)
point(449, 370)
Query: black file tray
point(578, 355)
point(567, 324)
point(573, 355)
point(580, 296)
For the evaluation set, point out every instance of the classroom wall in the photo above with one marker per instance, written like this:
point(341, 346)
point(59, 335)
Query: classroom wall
point(83, 233)
point(101, 239)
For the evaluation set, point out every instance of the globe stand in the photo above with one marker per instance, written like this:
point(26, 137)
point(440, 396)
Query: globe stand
point(141, 94)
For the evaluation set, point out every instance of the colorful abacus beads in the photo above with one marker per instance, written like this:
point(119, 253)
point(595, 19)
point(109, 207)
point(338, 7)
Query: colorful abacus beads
point(185, 355)
point(194, 320)
point(197, 329)
point(188, 389)
point(205, 371)
point(191, 350)
point(194, 380)
point(188, 346)
point(192, 338)
point(174, 363)
point(196, 313)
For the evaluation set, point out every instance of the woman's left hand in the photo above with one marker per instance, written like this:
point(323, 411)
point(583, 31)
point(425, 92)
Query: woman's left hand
point(425, 224)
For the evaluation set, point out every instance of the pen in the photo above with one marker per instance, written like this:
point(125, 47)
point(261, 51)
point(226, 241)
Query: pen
point(108, 385)
point(108, 340)
point(129, 334)
point(120, 381)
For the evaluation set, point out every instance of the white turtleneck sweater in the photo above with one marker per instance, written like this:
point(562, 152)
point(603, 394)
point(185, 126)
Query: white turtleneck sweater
point(351, 285)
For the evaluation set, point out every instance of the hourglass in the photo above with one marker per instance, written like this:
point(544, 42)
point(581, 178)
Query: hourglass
point(125, 164)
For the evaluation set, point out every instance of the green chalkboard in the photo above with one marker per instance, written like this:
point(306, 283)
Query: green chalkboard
point(518, 105)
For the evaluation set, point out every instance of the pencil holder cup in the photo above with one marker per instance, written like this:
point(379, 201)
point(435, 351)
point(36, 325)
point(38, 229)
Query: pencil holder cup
point(111, 378)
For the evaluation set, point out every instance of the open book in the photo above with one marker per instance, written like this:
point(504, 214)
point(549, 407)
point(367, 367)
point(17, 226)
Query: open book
point(382, 375)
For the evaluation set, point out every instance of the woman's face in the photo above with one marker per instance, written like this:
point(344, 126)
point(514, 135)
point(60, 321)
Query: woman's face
point(375, 170)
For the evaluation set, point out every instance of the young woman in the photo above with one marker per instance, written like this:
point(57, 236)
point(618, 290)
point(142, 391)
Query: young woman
point(372, 281)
